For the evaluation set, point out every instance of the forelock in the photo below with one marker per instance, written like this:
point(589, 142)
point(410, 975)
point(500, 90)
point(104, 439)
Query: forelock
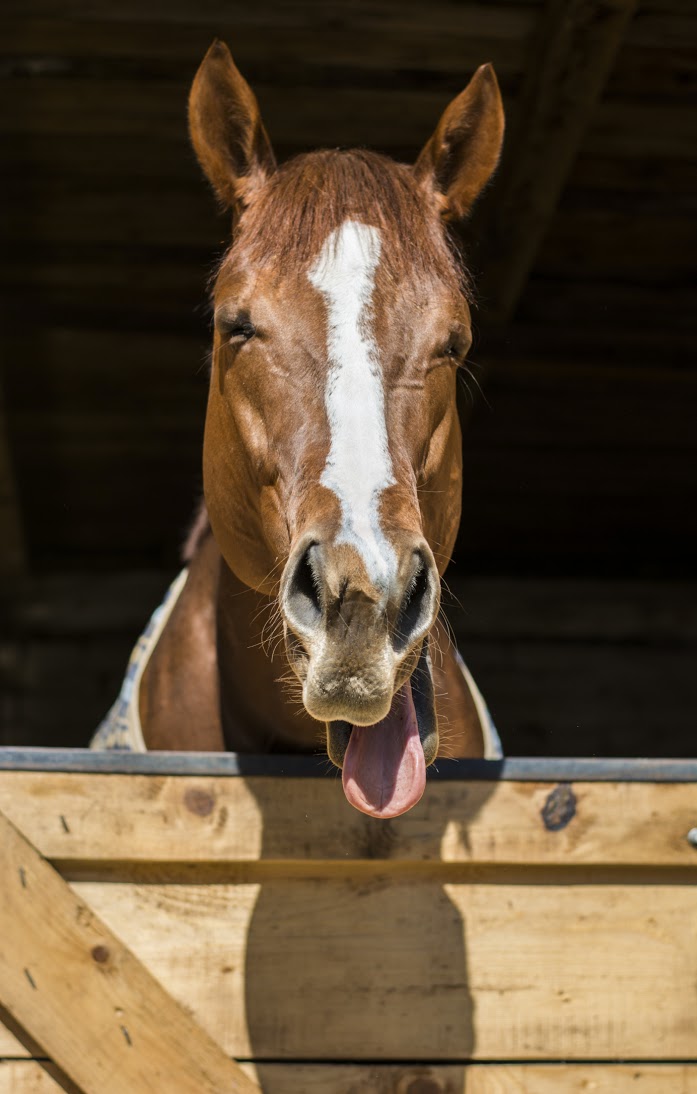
point(291, 216)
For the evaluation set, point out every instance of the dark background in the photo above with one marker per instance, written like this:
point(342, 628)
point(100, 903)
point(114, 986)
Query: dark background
point(573, 596)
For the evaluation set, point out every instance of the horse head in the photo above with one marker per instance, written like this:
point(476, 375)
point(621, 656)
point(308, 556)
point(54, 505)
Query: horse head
point(332, 449)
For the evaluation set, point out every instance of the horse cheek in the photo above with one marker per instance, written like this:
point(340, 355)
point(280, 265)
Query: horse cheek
point(440, 497)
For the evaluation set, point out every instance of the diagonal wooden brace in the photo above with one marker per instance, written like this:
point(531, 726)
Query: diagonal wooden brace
point(86, 999)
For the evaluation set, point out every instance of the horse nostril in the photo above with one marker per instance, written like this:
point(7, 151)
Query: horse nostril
point(417, 606)
point(302, 600)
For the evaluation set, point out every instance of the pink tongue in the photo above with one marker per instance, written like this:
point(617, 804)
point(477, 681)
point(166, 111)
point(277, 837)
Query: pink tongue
point(384, 771)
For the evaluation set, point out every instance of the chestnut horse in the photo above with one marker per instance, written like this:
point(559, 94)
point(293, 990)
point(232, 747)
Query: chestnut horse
point(332, 456)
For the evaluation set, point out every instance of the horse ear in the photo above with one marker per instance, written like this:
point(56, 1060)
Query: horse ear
point(226, 129)
point(462, 154)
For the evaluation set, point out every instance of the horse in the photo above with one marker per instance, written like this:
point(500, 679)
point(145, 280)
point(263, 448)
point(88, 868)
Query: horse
point(307, 617)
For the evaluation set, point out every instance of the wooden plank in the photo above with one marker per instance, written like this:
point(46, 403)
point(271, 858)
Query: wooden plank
point(75, 605)
point(627, 322)
point(548, 404)
point(526, 524)
point(155, 110)
point(126, 272)
point(135, 161)
point(567, 610)
point(65, 684)
point(500, 19)
point(34, 1076)
point(640, 343)
point(166, 369)
point(50, 210)
point(28, 1077)
point(78, 991)
point(451, 45)
point(616, 457)
point(608, 305)
point(364, 966)
point(523, 514)
point(533, 403)
point(496, 609)
point(516, 527)
point(145, 819)
point(563, 85)
point(106, 208)
point(563, 672)
point(619, 244)
point(640, 130)
point(605, 699)
point(12, 550)
point(642, 69)
point(644, 180)
point(625, 476)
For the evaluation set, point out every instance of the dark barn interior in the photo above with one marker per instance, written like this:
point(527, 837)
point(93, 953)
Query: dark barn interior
point(572, 591)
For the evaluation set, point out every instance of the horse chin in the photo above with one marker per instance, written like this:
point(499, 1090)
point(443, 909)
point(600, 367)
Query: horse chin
point(384, 765)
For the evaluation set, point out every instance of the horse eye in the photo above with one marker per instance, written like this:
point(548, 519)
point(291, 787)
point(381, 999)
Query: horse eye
point(236, 329)
point(453, 349)
point(240, 332)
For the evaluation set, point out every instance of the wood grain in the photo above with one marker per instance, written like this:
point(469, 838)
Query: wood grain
point(371, 967)
point(78, 991)
point(28, 1077)
point(149, 819)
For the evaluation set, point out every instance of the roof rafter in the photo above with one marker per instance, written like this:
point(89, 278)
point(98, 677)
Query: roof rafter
point(568, 67)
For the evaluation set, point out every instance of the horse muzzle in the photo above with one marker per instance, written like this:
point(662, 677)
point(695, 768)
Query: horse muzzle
point(360, 649)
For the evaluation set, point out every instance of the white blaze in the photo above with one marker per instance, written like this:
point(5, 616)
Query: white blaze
point(359, 466)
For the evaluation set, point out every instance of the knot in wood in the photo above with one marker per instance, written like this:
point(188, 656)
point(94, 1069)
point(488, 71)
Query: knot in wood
point(100, 954)
point(559, 808)
point(199, 801)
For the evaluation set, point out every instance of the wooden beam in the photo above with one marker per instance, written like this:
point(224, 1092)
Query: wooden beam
point(12, 555)
point(81, 994)
point(292, 928)
point(567, 69)
point(308, 825)
point(30, 1077)
point(365, 966)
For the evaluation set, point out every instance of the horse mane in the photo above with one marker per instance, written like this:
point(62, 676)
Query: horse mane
point(288, 220)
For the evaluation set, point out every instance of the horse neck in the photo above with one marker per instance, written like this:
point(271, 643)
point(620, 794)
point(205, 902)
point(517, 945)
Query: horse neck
point(260, 704)
point(209, 684)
